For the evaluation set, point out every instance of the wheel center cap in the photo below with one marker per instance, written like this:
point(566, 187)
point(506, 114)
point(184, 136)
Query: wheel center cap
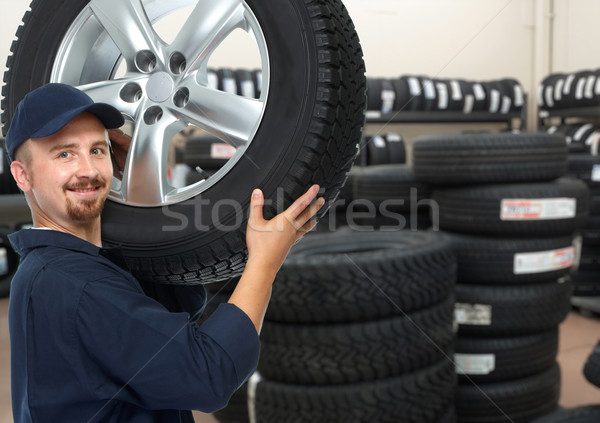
point(160, 87)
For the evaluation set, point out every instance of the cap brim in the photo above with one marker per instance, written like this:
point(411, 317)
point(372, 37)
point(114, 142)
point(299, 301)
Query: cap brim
point(110, 117)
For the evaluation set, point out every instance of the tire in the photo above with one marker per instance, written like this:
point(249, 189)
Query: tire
point(9, 261)
point(514, 209)
point(489, 158)
point(420, 397)
point(591, 369)
point(583, 166)
point(586, 284)
point(484, 360)
point(314, 101)
point(504, 261)
point(207, 152)
point(511, 310)
point(585, 414)
point(393, 185)
point(355, 276)
point(517, 401)
point(356, 352)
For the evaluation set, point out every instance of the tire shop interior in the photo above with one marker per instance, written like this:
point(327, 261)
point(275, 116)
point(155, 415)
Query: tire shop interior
point(456, 276)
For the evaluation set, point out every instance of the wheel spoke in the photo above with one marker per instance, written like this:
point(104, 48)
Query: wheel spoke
point(207, 26)
point(145, 178)
point(113, 92)
point(230, 117)
point(127, 24)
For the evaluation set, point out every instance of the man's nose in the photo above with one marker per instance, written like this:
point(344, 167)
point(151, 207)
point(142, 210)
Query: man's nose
point(87, 167)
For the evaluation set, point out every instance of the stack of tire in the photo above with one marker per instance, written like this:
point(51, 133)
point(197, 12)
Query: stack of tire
point(584, 165)
point(359, 329)
point(584, 414)
point(244, 82)
point(421, 93)
point(567, 90)
point(512, 218)
point(381, 149)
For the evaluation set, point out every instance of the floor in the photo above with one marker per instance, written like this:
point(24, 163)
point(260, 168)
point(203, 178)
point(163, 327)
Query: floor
point(578, 335)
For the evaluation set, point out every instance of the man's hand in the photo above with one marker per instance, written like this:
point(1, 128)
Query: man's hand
point(269, 241)
point(120, 143)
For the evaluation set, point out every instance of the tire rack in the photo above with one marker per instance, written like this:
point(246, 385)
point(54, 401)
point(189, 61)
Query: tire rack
point(373, 116)
point(587, 113)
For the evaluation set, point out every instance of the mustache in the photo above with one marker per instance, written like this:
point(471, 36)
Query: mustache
point(96, 182)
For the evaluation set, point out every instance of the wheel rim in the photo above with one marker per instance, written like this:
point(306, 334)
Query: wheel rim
point(165, 87)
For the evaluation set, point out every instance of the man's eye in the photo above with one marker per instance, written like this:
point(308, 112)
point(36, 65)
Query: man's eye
point(64, 155)
point(97, 151)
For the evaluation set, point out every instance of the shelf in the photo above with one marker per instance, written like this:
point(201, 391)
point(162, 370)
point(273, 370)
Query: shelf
point(572, 112)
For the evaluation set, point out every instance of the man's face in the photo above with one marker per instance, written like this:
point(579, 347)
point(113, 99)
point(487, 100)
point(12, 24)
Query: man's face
point(70, 172)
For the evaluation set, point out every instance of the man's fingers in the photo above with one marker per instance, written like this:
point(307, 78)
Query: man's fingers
point(302, 202)
point(308, 213)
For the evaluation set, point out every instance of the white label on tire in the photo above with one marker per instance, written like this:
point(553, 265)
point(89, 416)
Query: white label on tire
point(597, 88)
point(552, 129)
point(494, 101)
point(538, 209)
point(253, 382)
point(558, 89)
point(596, 173)
point(469, 103)
point(579, 88)
point(387, 97)
point(3, 262)
point(442, 96)
point(589, 86)
point(579, 133)
point(475, 364)
point(519, 96)
point(222, 151)
point(506, 104)
point(473, 314)
point(229, 85)
point(543, 261)
point(259, 80)
point(414, 86)
point(568, 83)
point(479, 92)
point(373, 114)
point(549, 97)
point(540, 96)
point(213, 80)
point(456, 91)
point(429, 89)
point(391, 137)
point(247, 89)
point(378, 141)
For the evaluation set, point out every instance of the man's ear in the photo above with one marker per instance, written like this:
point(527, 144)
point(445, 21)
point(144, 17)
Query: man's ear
point(19, 173)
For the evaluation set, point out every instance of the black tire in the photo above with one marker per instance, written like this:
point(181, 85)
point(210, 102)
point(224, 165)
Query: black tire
point(489, 158)
point(517, 401)
point(514, 209)
point(316, 104)
point(429, 94)
point(420, 397)
point(591, 370)
point(511, 310)
point(207, 152)
point(393, 185)
point(582, 167)
point(353, 276)
point(356, 352)
point(409, 95)
point(590, 261)
point(586, 284)
point(9, 261)
point(484, 260)
point(482, 359)
point(585, 414)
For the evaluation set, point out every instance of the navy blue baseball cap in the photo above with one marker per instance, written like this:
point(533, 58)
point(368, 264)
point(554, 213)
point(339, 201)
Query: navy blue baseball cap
point(48, 109)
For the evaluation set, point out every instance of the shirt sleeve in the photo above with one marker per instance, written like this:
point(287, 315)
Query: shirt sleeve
point(133, 349)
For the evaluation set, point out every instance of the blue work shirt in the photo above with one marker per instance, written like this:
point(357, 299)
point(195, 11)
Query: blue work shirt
point(87, 345)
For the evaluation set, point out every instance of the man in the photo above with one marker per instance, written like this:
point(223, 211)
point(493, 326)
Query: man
point(87, 344)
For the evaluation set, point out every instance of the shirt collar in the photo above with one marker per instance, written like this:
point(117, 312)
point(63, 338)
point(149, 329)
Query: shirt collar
point(26, 240)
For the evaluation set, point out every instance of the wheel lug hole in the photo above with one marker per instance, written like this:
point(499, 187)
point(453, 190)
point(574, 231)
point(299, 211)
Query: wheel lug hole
point(131, 93)
point(177, 63)
point(145, 61)
point(153, 115)
point(181, 97)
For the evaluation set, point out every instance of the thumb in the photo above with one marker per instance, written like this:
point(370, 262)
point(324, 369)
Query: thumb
point(256, 207)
